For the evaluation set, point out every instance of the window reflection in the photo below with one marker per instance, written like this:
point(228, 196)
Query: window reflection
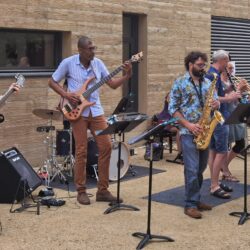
point(29, 49)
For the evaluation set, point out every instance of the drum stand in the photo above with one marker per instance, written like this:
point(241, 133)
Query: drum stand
point(55, 167)
point(51, 162)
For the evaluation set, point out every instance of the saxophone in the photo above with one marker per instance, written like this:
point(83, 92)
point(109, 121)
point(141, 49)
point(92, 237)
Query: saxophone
point(207, 123)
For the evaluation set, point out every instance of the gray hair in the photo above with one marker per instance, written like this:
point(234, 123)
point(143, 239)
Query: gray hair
point(219, 54)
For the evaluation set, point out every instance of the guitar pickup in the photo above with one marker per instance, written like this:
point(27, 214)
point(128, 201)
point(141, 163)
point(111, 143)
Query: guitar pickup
point(68, 108)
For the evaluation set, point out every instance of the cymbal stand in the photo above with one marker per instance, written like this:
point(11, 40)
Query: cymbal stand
point(44, 170)
point(51, 165)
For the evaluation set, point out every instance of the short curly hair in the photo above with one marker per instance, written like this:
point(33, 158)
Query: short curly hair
point(193, 56)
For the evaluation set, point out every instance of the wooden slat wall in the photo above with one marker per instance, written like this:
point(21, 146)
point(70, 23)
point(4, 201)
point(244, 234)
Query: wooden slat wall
point(174, 28)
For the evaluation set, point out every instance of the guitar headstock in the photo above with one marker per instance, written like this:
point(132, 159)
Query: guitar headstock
point(20, 80)
point(137, 57)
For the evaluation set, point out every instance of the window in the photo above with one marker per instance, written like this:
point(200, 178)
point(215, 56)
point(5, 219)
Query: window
point(233, 35)
point(33, 52)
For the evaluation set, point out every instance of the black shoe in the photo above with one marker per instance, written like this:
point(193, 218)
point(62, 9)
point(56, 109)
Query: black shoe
point(220, 193)
point(226, 187)
point(52, 202)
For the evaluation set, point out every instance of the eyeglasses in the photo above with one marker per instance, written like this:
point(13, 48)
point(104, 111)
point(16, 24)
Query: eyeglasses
point(92, 48)
point(201, 65)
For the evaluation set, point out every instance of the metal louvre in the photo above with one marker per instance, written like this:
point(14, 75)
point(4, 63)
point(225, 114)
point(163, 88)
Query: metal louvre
point(233, 35)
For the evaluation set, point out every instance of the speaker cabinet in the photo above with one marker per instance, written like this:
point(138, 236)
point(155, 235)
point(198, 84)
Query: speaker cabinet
point(17, 178)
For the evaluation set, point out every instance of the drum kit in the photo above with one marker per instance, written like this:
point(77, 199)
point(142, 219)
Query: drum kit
point(60, 150)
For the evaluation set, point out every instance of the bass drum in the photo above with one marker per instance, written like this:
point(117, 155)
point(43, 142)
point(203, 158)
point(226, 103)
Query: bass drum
point(92, 159)
point(114, 163)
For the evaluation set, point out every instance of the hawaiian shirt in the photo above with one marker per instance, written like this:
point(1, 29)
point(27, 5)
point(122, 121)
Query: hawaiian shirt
point(184, 98)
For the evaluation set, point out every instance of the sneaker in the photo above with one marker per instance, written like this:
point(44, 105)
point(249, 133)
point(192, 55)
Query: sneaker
point(83, 198)
point(106, 196)
point(203, 207)
point(192, 212)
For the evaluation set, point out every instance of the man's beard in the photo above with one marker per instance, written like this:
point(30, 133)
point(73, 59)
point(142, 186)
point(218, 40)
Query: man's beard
point(198, 73)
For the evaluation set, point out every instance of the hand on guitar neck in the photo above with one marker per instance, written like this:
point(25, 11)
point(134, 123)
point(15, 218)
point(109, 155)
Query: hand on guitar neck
point(14, 87)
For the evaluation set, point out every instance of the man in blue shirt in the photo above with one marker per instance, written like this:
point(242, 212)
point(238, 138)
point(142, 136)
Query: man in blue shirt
point(77, 69)
point(187, 99)
point(219, 141)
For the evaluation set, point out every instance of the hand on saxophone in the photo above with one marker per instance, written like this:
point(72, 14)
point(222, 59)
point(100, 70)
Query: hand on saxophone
point(194, 128)
point(234, 96)
point(243, 85)
point(215, 104)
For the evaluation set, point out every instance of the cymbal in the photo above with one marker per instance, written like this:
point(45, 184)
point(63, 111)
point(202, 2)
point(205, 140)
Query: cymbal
point(47, 114)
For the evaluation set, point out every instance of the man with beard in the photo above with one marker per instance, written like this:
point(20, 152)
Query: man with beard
point(219, 141)
point(187, 99)
point(76, 70)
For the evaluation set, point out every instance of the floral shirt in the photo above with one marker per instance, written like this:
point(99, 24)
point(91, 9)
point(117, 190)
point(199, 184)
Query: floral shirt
point(184, 98)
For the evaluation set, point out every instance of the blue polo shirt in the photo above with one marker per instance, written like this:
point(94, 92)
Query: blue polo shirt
point(220, 90)
point(76, 74)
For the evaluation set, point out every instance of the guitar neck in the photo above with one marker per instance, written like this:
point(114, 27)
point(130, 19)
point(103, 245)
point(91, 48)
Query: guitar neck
point(89, 91)
point(6, 96)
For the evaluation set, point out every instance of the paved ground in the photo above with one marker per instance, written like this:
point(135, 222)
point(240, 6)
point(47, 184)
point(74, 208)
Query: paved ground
point(86, 227)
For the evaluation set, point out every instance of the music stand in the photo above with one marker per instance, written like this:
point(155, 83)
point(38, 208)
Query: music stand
point(241, 115)
point(149, 137)
point(123, 104)
point(119, 127)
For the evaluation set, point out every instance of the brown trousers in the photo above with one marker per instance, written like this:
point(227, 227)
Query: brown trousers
point(80, 127)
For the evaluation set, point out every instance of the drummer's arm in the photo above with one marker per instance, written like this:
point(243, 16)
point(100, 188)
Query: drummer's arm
point(72, 97)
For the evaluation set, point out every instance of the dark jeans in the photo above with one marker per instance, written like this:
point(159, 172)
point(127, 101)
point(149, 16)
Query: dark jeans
point(195, 162)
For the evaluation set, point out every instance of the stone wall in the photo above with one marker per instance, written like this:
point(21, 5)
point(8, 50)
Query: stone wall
point(173, 29)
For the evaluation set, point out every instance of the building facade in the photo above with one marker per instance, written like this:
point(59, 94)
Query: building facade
point(164, 30)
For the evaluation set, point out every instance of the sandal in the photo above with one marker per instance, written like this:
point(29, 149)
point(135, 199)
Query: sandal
point(226, 187)
point(220, 193)
point(229, 177)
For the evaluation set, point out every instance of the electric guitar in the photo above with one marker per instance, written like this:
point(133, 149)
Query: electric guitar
point(19, 82)
point(73, 113)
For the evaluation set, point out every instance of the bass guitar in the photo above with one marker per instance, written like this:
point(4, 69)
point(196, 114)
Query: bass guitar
point(72, 112)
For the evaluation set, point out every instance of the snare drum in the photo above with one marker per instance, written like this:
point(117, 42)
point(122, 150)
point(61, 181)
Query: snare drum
point(92, 159)
point(65, 144)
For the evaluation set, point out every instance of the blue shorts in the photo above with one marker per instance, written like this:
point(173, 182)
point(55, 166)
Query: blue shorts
point(219, 140)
